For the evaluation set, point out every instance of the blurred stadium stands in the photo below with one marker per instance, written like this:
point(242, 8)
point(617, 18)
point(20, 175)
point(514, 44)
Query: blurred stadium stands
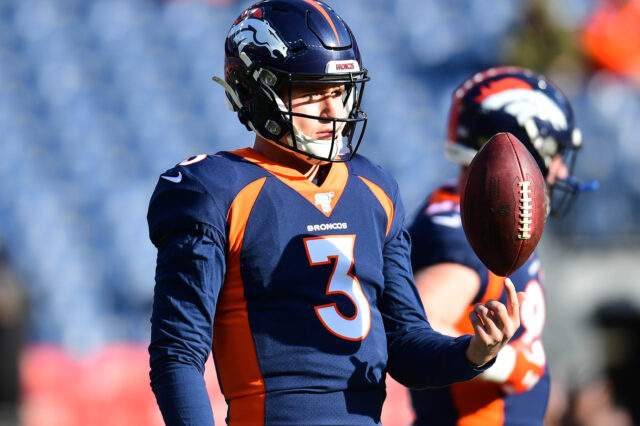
point(97, 98)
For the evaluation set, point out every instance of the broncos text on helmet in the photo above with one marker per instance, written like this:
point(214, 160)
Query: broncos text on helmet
point(269, 48)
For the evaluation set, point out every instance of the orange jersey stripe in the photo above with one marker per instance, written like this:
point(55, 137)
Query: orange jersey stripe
point(334, 183)
point(384, 200)
point(478, 403)
point(495, 287)
point(238, 369)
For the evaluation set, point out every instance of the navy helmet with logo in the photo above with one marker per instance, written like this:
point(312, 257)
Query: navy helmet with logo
point(275, 44)
point(526, 104)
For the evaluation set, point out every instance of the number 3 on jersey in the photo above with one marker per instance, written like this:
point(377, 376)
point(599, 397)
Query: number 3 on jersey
point(339, 249)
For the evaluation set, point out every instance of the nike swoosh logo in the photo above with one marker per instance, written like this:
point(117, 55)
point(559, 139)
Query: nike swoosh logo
point(174, 179)
point(448, 221)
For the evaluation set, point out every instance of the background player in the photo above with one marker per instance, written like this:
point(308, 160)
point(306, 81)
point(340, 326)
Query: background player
point(449, 276)
point(291, 262)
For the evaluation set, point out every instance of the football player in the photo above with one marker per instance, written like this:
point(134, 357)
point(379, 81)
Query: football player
point(289, 261)
point(450, 277)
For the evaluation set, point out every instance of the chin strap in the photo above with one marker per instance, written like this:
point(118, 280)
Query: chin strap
point(236, 106)
point(298, 139)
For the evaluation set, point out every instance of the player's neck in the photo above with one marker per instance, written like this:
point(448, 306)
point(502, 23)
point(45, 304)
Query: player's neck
point(314, 172)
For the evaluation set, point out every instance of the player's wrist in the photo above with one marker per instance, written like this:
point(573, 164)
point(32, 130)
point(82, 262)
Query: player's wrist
point(475, 357)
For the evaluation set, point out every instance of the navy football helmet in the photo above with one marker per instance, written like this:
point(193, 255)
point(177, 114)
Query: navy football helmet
point(521, 102)
point(275, 44)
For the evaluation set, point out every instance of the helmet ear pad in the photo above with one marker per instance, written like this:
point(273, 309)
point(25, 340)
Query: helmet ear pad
point(257, 102)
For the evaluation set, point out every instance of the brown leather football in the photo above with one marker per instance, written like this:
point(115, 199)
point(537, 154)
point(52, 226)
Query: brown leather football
point(503, 204)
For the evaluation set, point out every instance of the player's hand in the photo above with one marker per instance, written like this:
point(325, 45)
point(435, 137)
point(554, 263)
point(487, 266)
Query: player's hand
point(493, 324)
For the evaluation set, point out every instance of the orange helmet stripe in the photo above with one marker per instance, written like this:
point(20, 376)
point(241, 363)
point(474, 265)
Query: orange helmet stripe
point(326, 16)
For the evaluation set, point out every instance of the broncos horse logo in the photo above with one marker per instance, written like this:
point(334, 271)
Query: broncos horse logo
point(251, 29)
point(324, 201)
point(518, 99)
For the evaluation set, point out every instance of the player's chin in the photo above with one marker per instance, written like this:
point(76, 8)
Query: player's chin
point(330, 143)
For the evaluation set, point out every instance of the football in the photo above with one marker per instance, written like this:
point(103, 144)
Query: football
point(503, 204)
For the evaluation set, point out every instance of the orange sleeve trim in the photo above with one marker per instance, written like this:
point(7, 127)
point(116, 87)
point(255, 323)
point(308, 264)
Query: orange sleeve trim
point(237, 362)
point(384, 200)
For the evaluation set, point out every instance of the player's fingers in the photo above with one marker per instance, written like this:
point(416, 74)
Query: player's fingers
point(481, 310)
point(498, 312)
point(491, 328)
point(478, 326)
point(497, 307)
point(513, 304)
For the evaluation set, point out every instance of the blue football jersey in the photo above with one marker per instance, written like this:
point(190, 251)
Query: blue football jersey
point(438, 237)
point(304, 293)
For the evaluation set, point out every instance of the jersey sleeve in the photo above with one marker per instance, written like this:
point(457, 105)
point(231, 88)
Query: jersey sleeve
point(189, 274)
point(187, 228)
point(419, 356)
point(439, 238)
